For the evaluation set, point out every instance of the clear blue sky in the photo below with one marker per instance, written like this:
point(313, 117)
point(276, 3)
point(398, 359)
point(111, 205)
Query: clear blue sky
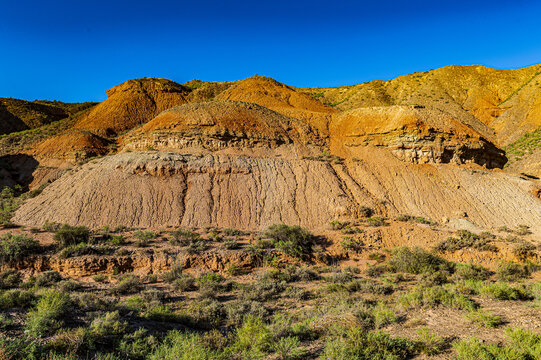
point(74, 50)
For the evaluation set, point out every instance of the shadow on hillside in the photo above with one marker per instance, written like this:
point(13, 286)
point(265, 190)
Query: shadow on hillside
point(8, 122)
point(17, 170)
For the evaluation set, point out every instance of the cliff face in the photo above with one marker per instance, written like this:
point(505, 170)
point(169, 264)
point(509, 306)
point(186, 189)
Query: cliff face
point(151, 188)
point(414, 134)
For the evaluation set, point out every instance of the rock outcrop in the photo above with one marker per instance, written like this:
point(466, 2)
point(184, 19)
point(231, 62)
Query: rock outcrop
point(220, 125)
point(414, 134)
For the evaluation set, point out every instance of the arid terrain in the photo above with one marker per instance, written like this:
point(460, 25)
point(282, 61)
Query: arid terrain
point(254, 220)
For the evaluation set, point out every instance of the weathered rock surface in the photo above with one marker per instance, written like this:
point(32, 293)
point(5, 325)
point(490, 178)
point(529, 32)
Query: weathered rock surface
point(164, 189)
point(218, 125)
point(414, 134)
point(155, 189)
point(132, 103)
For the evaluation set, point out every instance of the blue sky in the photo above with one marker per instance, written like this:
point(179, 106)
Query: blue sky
point(75, 50)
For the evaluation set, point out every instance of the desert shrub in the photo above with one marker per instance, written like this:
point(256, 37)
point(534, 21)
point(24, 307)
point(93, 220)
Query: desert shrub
point(338, 225)
point(85, 249)
point(523, 250)
point(435, 296)
point(358, 344)
point(144, 237)
point(93, 301)
point(350, 243)
point(417, 261)
point(418, 219)
point(292, 240)
point(9, 279)
point(151, 278)
point(522, 344)
point(99, 278)
point(434, 279)
point(377, 270)
point(483, 318)
point(472, 272)
point(51, 226)
point(504, 291)
point(48, 278)
point(237, 311)
point(262, 290)
point(107, 328)
point(230, 244)
point(67, 286)
point(9, 202)
point(338, 278)
point(430, 343)
point(523, 230)
point(206, 314)
point(117, 240)
point(365, 211)
point(510, 271)
point(164, 313)
point(153, 296)
point(48, 314)
point(288, 348)
point(253, 339)
point(128, 284)
point(465, 239)
point(14, 248)
point(185, 283)
point(175, 273)
point(15, 298)
point(209, 280)
point(137, 345)
point(383, 315)
point(184, 237)
point(231, 232)
point(19, 348)
point(182, 346)
point(68, 235)
point(369, 287)
point(376, 221)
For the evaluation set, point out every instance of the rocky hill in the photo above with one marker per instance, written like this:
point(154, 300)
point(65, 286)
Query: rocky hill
point(255, 152)
point(19, 115)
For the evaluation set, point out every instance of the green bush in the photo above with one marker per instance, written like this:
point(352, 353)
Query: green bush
point(465, 239)
point(430, 343)
point(417, 261)
point(68, 235)
point(47, 278)
point(128, 284)
point(85, 249)
point(184, 237)
point(472, 272)
point(237, 311)
point(522, 345)
point(291, 240)
point(107, 328)
point(182, 346)
point(9, 279)
point(510, 271)
point(15, 298)
point(48, 314)
point(15, 248)
point(253, 339)
point(435, 296)
point(358, 344)
point(504, 291)
point(483, 318)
